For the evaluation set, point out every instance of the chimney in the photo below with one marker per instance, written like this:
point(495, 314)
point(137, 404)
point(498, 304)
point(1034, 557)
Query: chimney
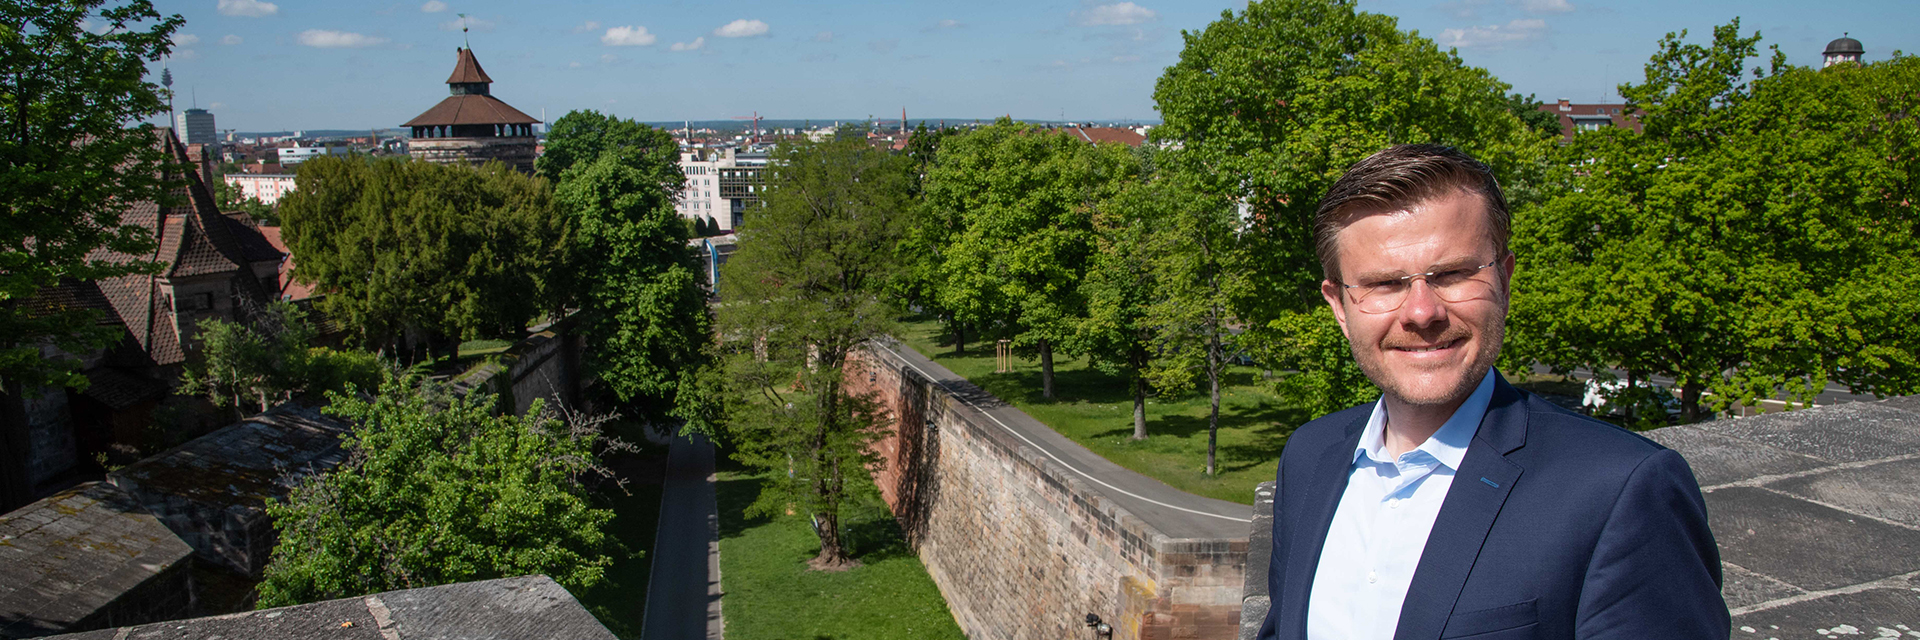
point(1566, 105)
point(199, 156)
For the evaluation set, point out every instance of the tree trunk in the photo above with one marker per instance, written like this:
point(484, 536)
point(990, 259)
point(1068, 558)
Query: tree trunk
point(1632, 396)
point(1690, 402)
point(1046, 369)
point(1139, 406)
point(959, 338)
point(1213, 412)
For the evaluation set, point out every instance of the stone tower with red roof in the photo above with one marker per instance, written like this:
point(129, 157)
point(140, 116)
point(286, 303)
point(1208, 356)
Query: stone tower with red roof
point(471, 126)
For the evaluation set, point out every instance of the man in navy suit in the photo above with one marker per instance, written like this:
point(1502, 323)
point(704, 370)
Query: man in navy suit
point(1459, 506)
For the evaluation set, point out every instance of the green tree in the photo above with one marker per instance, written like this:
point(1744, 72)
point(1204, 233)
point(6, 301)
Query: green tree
point(456, 251)
point(1196, 250)
point(929, 231)
point(260, 360)
point(1022, 198)
point(1270, 106)
point(438, 490)
point(806, 289)
point(1748, 243)
point(640, 290)
point(74, 77)
point(581, 137)
point(1122, 283)
point(266, 359)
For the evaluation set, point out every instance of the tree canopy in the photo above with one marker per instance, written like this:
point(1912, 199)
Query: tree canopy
point(456, 251)
point(1751, 241)
point(805, 290)
point(70, 165)
point(640, 290)
point(1019, 202)
point(438, 489)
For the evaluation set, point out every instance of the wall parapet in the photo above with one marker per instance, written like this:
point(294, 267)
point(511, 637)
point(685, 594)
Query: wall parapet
point(1026, 532)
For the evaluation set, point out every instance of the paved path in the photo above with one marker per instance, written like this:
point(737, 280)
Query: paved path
point(1176, 513)
point(1817, 514)
point(683, 590)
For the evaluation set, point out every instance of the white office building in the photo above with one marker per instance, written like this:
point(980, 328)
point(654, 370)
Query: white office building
point(295, 155)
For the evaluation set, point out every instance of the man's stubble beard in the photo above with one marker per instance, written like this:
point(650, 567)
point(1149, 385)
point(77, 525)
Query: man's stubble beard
point(1489, 353)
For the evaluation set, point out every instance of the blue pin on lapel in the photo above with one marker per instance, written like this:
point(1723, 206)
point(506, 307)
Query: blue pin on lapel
point(1490, 483)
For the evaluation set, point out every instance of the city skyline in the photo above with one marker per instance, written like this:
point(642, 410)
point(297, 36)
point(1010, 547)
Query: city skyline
point(266, 66)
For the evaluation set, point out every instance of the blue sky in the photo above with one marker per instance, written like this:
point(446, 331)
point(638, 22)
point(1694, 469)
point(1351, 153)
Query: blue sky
point(348, 64)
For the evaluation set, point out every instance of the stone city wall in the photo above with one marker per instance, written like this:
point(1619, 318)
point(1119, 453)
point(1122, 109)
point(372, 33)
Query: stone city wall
point(1022, 548)
point(545, 365)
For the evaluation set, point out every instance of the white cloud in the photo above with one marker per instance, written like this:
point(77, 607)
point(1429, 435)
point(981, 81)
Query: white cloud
point(1463, 9)
point(587, 26)
point(433, 6)
point(329, 39)
point(1126, 59)
point(476, 24)
point(185, 40)
point(1540, 7)
point(248, 8)
point(608, 58)
point(231, 39)
point(741, 29)
point(949, 23)
point(884, 46)
point(574, 65)
point(1113, 14)
point(1495, 35)
point(217, 105)
point(689, 46)
point(627, 37)
point(824, 36)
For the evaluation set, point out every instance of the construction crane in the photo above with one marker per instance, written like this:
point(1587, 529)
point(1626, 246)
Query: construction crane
point(756, 126)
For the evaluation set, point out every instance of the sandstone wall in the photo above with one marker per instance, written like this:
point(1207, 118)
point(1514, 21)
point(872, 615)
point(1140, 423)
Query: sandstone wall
point(545, 365)
point(1023, 548)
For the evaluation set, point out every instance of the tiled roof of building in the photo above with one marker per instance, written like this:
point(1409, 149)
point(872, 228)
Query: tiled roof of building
point(68, 295)
point(289, 288)
point(1108, 134)
point(119, 390)
point(194, 240)
point(467, 70)
point(470, 109)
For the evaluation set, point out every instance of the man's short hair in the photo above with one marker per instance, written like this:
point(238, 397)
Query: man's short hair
point(1402, 176)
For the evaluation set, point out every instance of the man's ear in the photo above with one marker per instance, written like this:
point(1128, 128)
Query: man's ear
point(1331, 291)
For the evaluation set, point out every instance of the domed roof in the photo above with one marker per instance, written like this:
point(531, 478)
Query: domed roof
point(1845, 45)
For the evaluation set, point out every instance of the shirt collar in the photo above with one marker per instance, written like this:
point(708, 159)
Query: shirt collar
point(1448, 445)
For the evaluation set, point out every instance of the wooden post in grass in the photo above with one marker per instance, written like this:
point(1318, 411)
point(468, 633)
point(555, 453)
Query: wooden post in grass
point(1003, 357)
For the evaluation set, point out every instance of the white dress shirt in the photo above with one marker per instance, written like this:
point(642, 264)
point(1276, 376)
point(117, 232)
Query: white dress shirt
point(1382, 522)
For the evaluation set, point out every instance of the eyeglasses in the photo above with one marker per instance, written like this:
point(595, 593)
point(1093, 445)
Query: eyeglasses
point(1452, 285)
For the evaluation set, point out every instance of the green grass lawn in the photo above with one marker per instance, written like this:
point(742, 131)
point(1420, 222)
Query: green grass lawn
point(1096, 410)
point(771, 594)
point(621, 602)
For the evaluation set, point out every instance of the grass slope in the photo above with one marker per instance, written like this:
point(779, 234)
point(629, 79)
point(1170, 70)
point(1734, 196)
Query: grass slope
point(1096, 410)
point(770, 593)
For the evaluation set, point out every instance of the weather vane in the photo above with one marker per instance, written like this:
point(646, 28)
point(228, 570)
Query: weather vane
point(463, 31)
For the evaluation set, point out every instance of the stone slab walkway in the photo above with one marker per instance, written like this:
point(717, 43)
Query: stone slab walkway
point(683, 591)
point(1817, 514)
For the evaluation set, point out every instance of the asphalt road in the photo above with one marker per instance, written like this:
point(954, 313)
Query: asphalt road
point(683, 592)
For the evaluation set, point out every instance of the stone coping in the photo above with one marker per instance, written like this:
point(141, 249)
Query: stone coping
point(68, 557)
point(524, 608)
point(242, 464)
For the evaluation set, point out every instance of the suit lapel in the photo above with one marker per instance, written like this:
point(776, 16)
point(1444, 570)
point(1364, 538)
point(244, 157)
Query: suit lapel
point(1322, 496)
point(1479, 490)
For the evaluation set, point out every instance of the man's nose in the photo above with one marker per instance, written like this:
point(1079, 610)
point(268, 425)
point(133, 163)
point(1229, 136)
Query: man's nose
point(1422, 308)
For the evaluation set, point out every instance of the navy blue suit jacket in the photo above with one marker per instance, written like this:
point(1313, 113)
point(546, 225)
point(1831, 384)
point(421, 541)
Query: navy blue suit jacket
point(1556, 526)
